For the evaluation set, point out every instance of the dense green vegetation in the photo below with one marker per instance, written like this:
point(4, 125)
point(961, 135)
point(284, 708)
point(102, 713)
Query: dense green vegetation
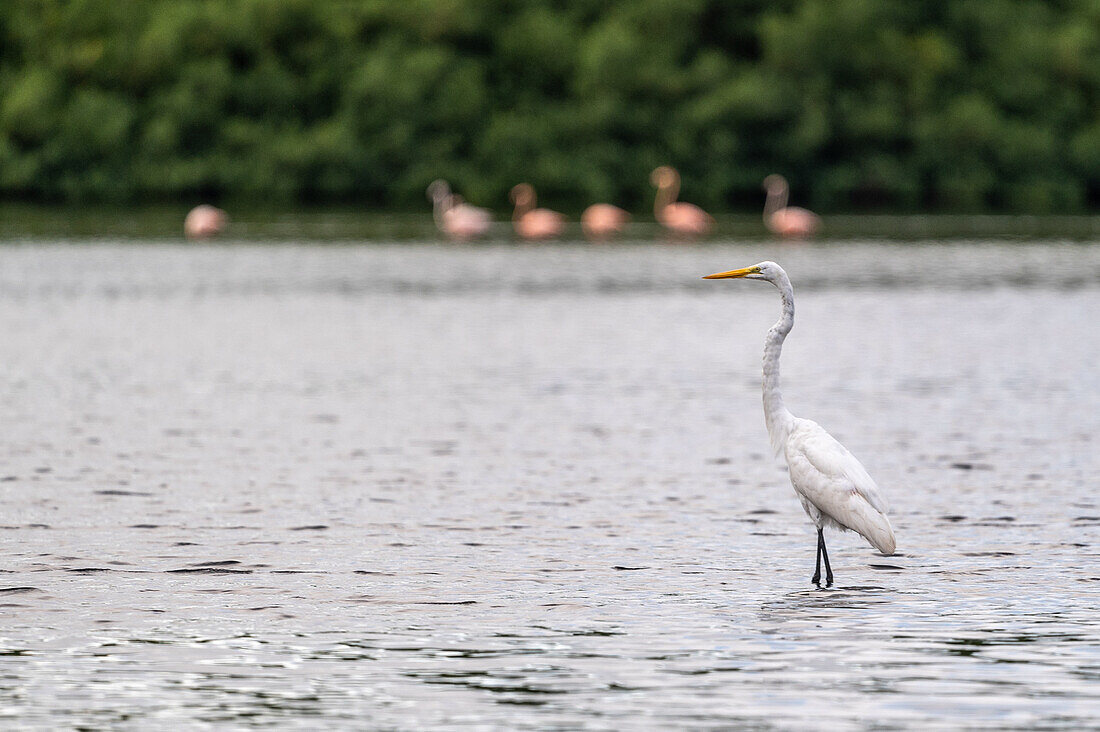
point(863, 104)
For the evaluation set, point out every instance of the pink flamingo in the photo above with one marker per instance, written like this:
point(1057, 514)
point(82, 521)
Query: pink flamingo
point(531, 222)
point(204, 221)
point(454, 217)
point(602, 221)
point(685, 219)
point(789, 222)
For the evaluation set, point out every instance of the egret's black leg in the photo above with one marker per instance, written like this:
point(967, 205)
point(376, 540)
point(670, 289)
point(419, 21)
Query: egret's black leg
point(816, 579)
point(825, 553)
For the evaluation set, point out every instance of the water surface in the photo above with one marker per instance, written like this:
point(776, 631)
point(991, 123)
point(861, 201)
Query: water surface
point(522, 487)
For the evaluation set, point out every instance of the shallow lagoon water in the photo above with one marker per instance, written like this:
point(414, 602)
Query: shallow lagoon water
point(421, 486)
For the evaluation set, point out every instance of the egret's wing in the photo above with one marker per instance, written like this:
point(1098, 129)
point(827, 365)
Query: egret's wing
point(831, 459)
point(837, 484)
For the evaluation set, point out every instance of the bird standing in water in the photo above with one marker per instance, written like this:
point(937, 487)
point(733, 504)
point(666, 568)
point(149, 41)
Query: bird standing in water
point(530, 222)
point(204, 222)
point(682, 219)
point(454, 217)
point(602, 221)
point(790, 222)
point(833, 486)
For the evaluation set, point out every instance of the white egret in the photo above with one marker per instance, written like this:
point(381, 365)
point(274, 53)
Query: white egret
point(833, 486)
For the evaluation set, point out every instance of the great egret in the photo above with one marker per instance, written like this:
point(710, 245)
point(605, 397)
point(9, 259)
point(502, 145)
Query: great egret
point(833, 486)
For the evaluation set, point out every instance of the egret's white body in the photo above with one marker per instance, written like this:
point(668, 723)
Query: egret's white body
point(833, 486)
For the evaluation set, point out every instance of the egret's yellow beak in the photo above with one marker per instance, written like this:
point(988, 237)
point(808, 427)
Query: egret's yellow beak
point(733, 273)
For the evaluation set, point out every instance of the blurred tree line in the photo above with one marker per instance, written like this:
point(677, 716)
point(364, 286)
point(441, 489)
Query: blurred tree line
point(864, 104)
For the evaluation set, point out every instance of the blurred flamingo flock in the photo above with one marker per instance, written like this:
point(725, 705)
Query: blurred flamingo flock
point(460, 221)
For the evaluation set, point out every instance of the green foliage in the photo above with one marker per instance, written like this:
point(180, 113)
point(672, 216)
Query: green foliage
point(864, 104)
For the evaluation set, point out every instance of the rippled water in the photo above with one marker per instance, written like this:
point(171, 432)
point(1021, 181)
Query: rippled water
point(408, 487)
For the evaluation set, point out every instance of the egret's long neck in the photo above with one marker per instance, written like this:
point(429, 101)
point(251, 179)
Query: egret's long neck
point(776, 415)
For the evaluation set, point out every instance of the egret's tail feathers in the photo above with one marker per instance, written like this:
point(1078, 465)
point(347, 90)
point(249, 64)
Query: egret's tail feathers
point(873, 525)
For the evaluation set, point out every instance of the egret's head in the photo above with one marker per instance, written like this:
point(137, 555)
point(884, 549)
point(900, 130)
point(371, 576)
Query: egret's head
point(768, 271)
